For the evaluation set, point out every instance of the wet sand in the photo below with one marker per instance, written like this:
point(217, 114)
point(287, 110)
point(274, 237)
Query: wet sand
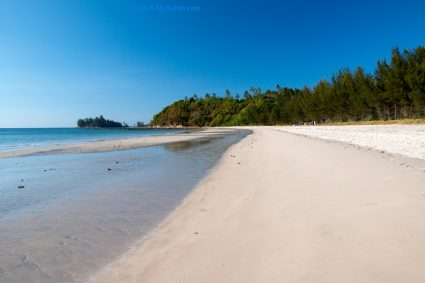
point(285, 208)
point(78, 212)
point(115, 144)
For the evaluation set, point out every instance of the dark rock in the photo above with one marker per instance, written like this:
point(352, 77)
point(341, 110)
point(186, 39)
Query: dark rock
point(21, 187)
point(109, 169)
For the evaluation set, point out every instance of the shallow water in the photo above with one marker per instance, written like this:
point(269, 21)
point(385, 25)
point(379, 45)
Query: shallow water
point(74, 215)
point(18, 139)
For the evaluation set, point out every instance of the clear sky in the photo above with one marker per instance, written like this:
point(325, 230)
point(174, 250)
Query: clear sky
point(61, 60)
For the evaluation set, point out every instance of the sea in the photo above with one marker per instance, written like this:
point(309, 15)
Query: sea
point(64, 217)
point(20, 138)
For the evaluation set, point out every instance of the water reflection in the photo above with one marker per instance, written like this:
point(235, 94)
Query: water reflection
point(182, 145)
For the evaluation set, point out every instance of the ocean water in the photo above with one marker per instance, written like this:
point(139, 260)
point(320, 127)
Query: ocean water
point(17, 138)
point(73, 215)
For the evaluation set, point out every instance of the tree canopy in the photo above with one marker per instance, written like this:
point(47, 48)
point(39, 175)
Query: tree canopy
point(395, 90)
point(98, 122)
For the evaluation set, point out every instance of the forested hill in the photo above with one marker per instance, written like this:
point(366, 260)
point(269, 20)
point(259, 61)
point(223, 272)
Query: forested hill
point(396, 90)
point(98, 122)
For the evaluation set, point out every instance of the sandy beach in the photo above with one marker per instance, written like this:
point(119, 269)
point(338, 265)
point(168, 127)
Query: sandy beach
point(114, 144)
point(281, 207)
point(209, 141)
point(408, 140)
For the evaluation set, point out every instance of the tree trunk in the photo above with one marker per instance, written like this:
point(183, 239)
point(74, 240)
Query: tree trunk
point(395, 111)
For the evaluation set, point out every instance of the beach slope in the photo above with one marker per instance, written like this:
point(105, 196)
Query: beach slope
point(285, 208)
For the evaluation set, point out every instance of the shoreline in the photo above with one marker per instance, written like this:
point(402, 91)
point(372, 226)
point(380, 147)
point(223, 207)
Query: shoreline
point(115, 144)
point(279, 207)
point(86, 202)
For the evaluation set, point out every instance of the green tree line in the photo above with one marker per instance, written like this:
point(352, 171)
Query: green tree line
point(396, 90)
point(98, 122)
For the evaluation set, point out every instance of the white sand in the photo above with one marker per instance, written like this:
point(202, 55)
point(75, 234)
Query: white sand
point(115, 144)
point(400, 139)
point(289, 209)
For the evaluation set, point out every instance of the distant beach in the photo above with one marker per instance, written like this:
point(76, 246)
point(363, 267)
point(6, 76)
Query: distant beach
point(16, 139)
point(69, 140)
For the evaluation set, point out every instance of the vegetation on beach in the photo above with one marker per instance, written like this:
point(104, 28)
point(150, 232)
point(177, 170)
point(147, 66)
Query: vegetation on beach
point(396, 90)
point(99, 122)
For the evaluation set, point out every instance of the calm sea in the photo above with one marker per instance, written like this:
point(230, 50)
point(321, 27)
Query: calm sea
point(16, 139)
point(65, 216)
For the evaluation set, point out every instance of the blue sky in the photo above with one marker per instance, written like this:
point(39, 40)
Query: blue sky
point(63, 60)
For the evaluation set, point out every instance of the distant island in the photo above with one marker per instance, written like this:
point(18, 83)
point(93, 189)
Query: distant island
point(99, 122)
point(396, 90)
